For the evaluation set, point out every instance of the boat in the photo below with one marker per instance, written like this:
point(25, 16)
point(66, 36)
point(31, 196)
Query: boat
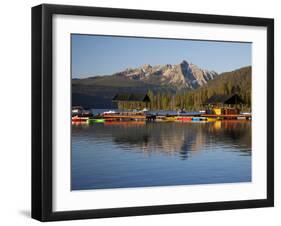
point(211, 119)
point(160, 118)
point(79, 119)
point(183, 118)
point(198, 119)
point(95, 120)
point(124, 123)
point(170, 118)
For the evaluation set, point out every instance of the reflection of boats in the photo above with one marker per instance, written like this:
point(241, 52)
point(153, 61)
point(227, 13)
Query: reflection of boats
point(217, 125)
point(81, 123)
point(124, 123)
point(235, 122)
point(227, 117)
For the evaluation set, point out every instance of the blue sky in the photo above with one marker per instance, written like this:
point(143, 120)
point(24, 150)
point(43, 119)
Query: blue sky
point(104, 55)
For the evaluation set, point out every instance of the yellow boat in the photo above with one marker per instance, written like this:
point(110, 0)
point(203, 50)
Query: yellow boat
point(170, 118)
point(211, 119)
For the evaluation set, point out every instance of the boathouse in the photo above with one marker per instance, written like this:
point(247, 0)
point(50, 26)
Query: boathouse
point(224, 104)
point(131, 100)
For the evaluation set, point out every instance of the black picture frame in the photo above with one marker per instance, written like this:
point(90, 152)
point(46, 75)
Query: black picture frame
point(42, 111)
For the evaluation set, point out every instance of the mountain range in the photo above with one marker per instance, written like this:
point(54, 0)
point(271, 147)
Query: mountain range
point(98, 91)
point(179, 76)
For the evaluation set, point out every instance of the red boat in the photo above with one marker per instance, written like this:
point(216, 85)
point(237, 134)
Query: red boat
point(183, 118)
point(79, 119)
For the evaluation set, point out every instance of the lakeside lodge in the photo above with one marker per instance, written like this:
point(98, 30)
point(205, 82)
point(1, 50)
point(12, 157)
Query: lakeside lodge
point(223, 104)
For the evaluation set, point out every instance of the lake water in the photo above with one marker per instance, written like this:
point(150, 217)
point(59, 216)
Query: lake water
point(139, 154)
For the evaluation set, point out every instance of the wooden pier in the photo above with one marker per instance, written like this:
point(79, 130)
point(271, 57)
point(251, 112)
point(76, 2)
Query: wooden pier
point(232, 116)
point(124, 117)
point(140, 116)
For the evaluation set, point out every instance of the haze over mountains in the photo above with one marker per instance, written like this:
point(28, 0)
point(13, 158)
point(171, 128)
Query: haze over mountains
point(98, 91)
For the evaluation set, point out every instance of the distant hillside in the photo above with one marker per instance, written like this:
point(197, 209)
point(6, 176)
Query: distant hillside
point(98, 91)
point(237, 81)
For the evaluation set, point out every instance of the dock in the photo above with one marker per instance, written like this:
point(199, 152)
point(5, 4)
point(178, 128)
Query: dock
point(227, 117)
point(113, 117)
point(142, 117)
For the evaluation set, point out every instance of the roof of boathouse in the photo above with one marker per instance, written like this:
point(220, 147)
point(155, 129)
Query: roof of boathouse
point(225, 99)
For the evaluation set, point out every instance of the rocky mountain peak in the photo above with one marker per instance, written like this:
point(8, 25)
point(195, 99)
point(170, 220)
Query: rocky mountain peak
point(146, 66)
point(178, 76)
point(184, 62)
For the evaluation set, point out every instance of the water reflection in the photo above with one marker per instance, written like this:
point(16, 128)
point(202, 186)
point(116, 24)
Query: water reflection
point(183, 139)
point(139, 154)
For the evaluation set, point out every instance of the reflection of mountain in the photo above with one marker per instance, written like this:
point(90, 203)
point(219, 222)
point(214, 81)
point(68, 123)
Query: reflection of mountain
point(183, 139)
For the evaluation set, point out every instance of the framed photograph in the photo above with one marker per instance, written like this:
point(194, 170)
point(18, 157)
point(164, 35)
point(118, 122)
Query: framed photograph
point(145, 112)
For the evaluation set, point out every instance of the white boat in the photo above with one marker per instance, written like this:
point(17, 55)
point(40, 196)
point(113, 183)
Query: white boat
point(245, 113)
point(109, 112)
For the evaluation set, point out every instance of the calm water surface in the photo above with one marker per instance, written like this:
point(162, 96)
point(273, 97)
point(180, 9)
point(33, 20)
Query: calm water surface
point(139, 154)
